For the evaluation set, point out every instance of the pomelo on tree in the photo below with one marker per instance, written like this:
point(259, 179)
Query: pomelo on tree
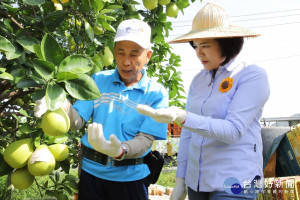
point(41, 162)
point(21, 178)
point(172, 9)
point(59, 151)
point(150, 4)
point(55, 123)
point(107, 56)
point(18, 152)
point(164, 2)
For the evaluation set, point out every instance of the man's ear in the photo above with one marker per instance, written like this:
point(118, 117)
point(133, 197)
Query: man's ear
point(149, 54)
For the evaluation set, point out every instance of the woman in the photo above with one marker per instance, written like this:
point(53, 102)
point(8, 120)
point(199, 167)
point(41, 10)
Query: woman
point(220, 150)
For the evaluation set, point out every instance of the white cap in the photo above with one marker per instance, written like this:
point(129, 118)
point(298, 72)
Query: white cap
point(136, 31)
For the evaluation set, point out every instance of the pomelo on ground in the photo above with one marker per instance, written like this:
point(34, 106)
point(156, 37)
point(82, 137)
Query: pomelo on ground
point(55, 123)
point(41, 162)
point(21, 178)
point(59, 151)
point(18, 152)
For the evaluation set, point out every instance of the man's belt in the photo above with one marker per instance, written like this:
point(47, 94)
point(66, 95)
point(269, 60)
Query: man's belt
point(105, 159)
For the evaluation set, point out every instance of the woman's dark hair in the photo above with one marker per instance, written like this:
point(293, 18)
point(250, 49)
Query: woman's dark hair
point(230, 47)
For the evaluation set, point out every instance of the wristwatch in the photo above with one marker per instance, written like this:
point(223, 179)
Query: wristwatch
point(122, 156)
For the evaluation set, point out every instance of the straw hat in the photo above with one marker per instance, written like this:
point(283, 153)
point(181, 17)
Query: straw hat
point(212, 21)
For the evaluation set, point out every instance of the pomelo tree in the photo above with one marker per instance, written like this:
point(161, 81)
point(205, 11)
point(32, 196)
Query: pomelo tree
point(51, 51)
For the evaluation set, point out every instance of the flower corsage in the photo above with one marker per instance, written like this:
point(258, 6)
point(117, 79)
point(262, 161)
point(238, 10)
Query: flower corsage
point(226, 84)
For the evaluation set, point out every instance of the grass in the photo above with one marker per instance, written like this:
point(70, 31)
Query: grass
point(167, 177)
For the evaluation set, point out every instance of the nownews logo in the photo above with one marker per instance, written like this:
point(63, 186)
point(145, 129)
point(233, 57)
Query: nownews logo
point(233, 186)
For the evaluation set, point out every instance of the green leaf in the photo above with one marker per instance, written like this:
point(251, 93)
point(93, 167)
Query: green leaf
point(63, 76)
point(77, 64)
point(44, 68)
point(65, 165)
point(27, 82)
point(84, 88)
point(55, 19)
point(38, 51)
point(89, 30)
point(34, 2)
point(57, 176)
point(18, 51)
point(72, 185)
point(71, 178)
point(107, 11)
point(107, 26)
point(110, 18)
point(28, 43)
point(97, 5)
point(60, 139)
point(26, 128)
point(7, 76)
point(24, 112)
point(55, 96)
point(5, 45)
point(51, 50)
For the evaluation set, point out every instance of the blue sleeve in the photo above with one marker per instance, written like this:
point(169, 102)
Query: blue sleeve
point(84, 109)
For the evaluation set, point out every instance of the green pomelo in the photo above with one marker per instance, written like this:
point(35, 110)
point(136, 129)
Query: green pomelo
point(150, 4)
point(59, 151)
point(164, 2)
point(107, 57)
point(55, 123)
point(21, 178)
point(41, 162)
point(172, 9)
point(18, 152)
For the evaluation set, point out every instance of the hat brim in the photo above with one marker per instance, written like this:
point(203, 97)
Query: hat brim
point(214, 33)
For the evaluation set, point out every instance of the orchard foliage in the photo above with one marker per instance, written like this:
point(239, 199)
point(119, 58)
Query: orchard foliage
point(51, 50)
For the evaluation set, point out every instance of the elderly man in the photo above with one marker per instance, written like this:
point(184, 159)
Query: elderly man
point(119, 137)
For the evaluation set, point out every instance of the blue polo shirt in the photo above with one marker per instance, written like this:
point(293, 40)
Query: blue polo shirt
point(116, 111)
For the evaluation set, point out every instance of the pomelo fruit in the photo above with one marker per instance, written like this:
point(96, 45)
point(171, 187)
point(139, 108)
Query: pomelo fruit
point(18, 152)
point(107, 56)
point(21, 178)
point(41, 162)
point(55, 123)
point(59, 151)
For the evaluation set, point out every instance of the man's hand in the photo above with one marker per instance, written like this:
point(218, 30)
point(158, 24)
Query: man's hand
point(41, 107)
point(179, 191)
point(163, 115)
point(96, 138)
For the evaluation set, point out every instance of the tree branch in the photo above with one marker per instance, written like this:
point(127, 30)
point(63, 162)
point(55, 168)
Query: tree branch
point(6, 15)
point(14, 95)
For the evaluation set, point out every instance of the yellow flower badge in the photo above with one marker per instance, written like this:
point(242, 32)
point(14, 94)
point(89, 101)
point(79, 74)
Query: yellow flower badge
point(226, 84)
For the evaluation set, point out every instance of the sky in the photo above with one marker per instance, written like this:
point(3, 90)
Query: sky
point(277, 50)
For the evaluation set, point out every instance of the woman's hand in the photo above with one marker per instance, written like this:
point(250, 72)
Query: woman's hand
point(163, 115)
point(179, 191)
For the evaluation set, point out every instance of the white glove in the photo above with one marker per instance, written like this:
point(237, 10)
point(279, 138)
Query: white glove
point(41, 107)
point(96, 138)
point(163, 115)
point(179, 191)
